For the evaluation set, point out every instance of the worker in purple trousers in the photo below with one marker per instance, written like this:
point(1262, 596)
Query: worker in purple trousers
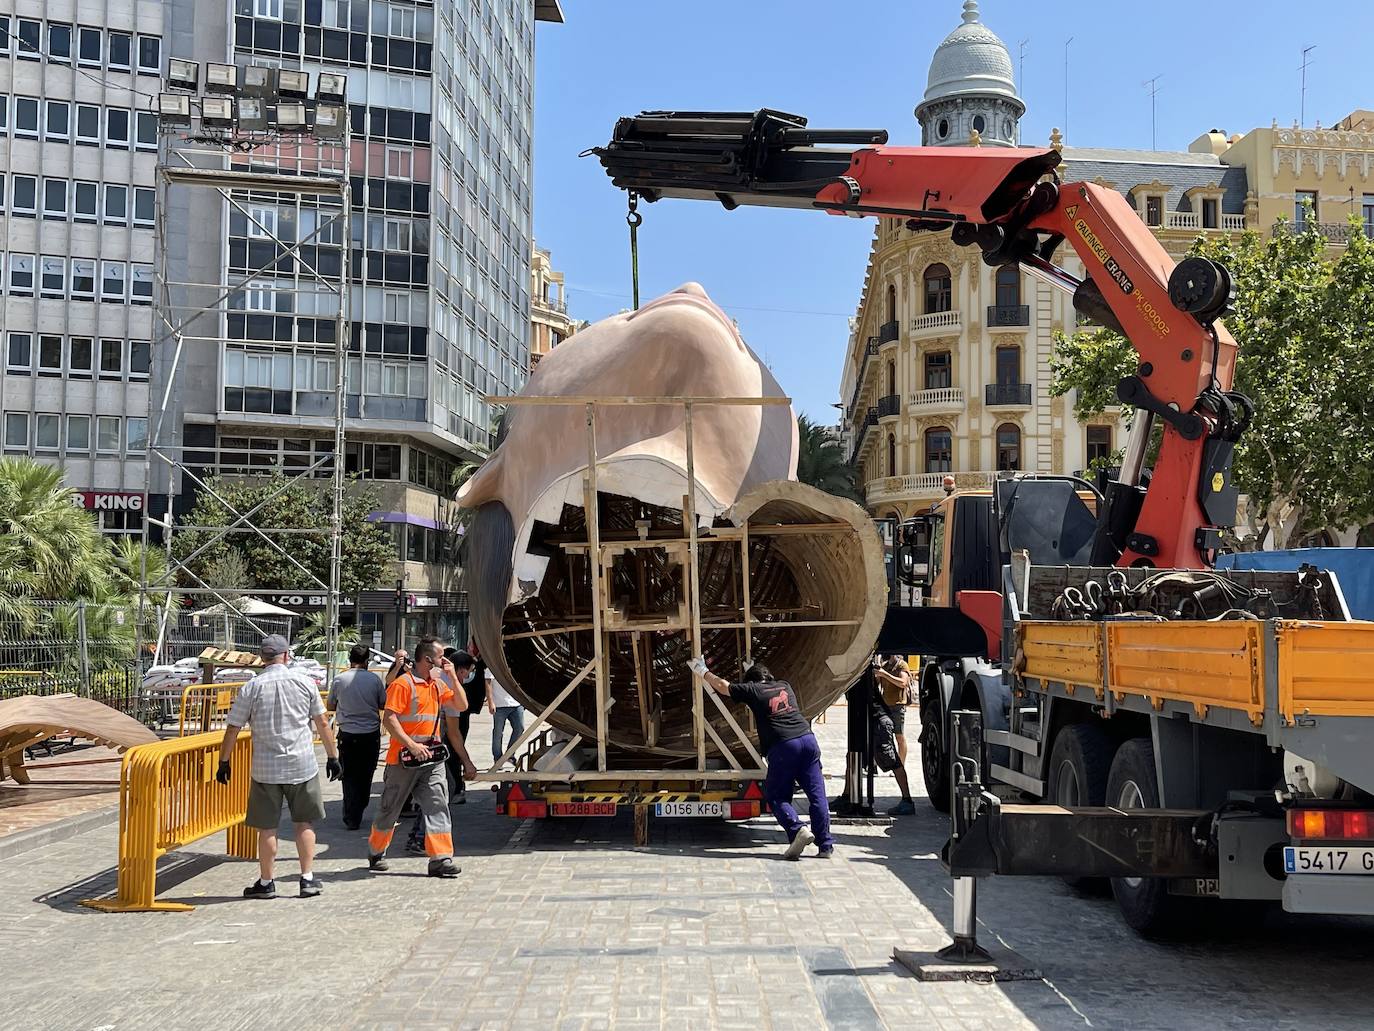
point(794, 756)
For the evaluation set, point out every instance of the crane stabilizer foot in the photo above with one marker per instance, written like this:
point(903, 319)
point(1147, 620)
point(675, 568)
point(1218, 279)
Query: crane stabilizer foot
point(996, 964)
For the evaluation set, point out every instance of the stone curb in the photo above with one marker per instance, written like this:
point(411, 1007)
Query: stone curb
point(59, 830)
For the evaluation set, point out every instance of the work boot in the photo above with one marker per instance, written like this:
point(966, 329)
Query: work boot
point(378, 862)
point(804, 837)
point(906, 807)
point(261, 889)
point(446, 868)
point(310, 887)
point(825, 853)
point(459, 798)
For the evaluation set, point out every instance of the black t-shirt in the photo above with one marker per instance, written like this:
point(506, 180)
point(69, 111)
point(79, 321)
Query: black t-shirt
point(775, 709)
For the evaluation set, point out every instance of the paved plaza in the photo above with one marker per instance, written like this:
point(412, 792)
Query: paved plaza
point(565, 924)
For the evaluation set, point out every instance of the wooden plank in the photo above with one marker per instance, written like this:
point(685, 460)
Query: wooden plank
point(693, 582)
point(734, 725)
point(543, 717)
point(536, 777)
point(724, 750)
point(803, 624)
point(551, 632)
point(646, 399)
point(592, 512)
point(744, 564)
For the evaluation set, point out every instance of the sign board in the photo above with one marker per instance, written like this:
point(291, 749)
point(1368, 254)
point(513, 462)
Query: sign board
point(111, 500)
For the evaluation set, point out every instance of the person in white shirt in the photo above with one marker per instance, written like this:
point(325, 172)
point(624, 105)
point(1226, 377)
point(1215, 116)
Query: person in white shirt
point(504, 710)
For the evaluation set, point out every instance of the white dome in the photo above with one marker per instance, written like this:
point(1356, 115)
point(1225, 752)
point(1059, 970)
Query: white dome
point(971, 60)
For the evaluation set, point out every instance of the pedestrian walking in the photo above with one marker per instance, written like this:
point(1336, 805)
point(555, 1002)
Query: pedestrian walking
point(280, 705)
point(356, 698)
point(422, 707)
point(505, 711)
point(466, 668)
point(894, 684)
point(793, 754)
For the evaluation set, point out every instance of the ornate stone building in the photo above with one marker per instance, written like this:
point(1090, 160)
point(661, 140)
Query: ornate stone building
point(947, 367)
point(550, 323)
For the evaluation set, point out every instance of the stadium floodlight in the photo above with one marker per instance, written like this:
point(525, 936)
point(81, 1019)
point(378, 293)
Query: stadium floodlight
point(252, 114)
point(294, 85)
point(183, 74)
point(330, 86)
point(217, 113)
point(331, 121)
point(221, 78)
point(174, 109)
point(291, 117)
point(259, 82)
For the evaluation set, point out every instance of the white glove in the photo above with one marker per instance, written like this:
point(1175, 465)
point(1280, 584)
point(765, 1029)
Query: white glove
point(748, 665)
point(698, 666)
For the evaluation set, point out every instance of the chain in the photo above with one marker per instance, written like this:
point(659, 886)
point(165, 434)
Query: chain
point(634, 220)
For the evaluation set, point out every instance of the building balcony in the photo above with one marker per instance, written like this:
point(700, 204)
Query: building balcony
point(936, 400)
point(923, 486)
point(1192, 220)
point(869, 351)
point(1008, 316)
point(888, 332)
point(1337, 234)
point(1007, 395)
point(861, 432)
point(889, 407)
point(937, 323)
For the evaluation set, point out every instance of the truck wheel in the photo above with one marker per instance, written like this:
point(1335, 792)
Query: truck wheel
point(935, 758)
point(1080, 763)
point(1145, 902)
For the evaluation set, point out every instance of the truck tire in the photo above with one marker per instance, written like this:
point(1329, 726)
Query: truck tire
point(1080, 764)
point(935, 757)
point(1145, 902)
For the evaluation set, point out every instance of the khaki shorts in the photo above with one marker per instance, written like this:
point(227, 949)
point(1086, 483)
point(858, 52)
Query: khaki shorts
point(264, 803)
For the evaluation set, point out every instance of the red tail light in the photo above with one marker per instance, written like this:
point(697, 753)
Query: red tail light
point(744, 810)
point(1330, 824)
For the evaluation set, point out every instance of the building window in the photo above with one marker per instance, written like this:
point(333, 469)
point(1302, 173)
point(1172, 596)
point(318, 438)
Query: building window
point(136, 435)
point(397, 234)
point(891, 378)
point(90, 47)
point(112, 280)
point(939, 372)
point(140, 358)
point(48, 432)
point(121, 50)
point(78, 433)
point(23, 195)
point(30, 46)
point(891, 455)
point(17, 431)
point(150, 54)
point(1305, 208)
point(79, 356)
point(939, 289)
point(4, 116)
point(1154, 210)
point(262, 223)
point(939, 450)
point(87, 124)
point(117, 127)
point(59, 42)
point(1008, 286)
point(144, 204)
point(4, 33)
point(1209, 213)
point(1008, 447)
point(891, 303)
point(398, 162)
point(58, 124)
point(942, 128)
point(1099, 444)
point(83, 279)
point(55, 199)
point(52, 276)
point(107, 433)
point(26, 117)
point(1367, 207)
point(141, 284)
point(21, 274)
point(1008, 366)
point(49, 354)
point(145, 130)
point(267, 9)
point(19, 354)
point(111, 359)
point(395, 307)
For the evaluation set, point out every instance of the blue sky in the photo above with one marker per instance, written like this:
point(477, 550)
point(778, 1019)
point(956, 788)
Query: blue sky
point(791, 278)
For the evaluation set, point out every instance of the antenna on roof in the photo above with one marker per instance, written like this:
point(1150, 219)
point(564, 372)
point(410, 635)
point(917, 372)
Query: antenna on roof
point(1152, 87)
point(1021, 71)
point(1302, 105)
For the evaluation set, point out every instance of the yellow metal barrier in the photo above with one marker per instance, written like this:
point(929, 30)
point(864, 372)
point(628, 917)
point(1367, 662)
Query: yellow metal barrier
point(168, 797)
point(205, 707)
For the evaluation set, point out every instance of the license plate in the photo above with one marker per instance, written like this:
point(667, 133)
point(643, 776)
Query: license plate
point(1308, 859)
point(689, 809)
point(582, 809)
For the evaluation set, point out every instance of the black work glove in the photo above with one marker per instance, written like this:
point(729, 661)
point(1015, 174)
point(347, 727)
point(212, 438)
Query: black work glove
point(222, 774)
point(332, 769)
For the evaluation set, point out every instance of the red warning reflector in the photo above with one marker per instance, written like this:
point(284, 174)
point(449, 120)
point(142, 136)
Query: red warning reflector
point(515, 794)
point(752, 790)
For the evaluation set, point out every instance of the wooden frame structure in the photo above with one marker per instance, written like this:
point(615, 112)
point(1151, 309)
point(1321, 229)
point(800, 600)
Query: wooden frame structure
point(606, 619)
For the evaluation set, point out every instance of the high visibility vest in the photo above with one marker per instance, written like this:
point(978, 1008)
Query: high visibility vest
point(420, 715)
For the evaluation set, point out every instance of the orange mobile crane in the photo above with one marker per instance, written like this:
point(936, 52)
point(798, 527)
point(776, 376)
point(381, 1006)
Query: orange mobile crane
point(1203, 733)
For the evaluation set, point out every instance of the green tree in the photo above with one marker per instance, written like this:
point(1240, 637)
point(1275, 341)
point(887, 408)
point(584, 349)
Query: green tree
point(50, 548)
point(821, 463)
point(298, 504)
point(1304, 325)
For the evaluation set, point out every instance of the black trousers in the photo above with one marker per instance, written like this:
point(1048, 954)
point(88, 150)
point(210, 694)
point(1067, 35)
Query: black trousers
point(358, 755)
point(455, 764)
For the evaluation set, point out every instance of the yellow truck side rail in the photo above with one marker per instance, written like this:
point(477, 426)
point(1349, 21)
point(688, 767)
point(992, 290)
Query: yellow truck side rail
point(1326, 669)
point(168, 798)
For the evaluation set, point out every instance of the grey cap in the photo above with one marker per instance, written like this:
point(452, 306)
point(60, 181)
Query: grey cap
point(273, 645)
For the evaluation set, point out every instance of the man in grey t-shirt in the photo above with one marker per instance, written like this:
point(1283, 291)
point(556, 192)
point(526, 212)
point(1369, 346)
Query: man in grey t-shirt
point(280, 705)
point(357, 699)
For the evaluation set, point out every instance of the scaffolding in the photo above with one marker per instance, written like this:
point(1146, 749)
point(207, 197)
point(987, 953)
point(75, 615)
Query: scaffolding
point(189, 313)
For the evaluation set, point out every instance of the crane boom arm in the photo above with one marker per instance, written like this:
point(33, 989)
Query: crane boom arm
point(1008, 203)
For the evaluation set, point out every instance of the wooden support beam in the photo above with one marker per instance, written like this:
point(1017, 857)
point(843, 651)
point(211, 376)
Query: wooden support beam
point(543, 717)
point(646, 399)
point(592, 511)
point(578, 776)
point(692, 581)
point(802, 624)
point(572, 743)
point(550, 632)
point(724, 750)
point(734, 725)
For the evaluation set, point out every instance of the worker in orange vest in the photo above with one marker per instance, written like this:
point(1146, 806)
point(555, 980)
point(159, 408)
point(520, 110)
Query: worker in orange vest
point(417, 703)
